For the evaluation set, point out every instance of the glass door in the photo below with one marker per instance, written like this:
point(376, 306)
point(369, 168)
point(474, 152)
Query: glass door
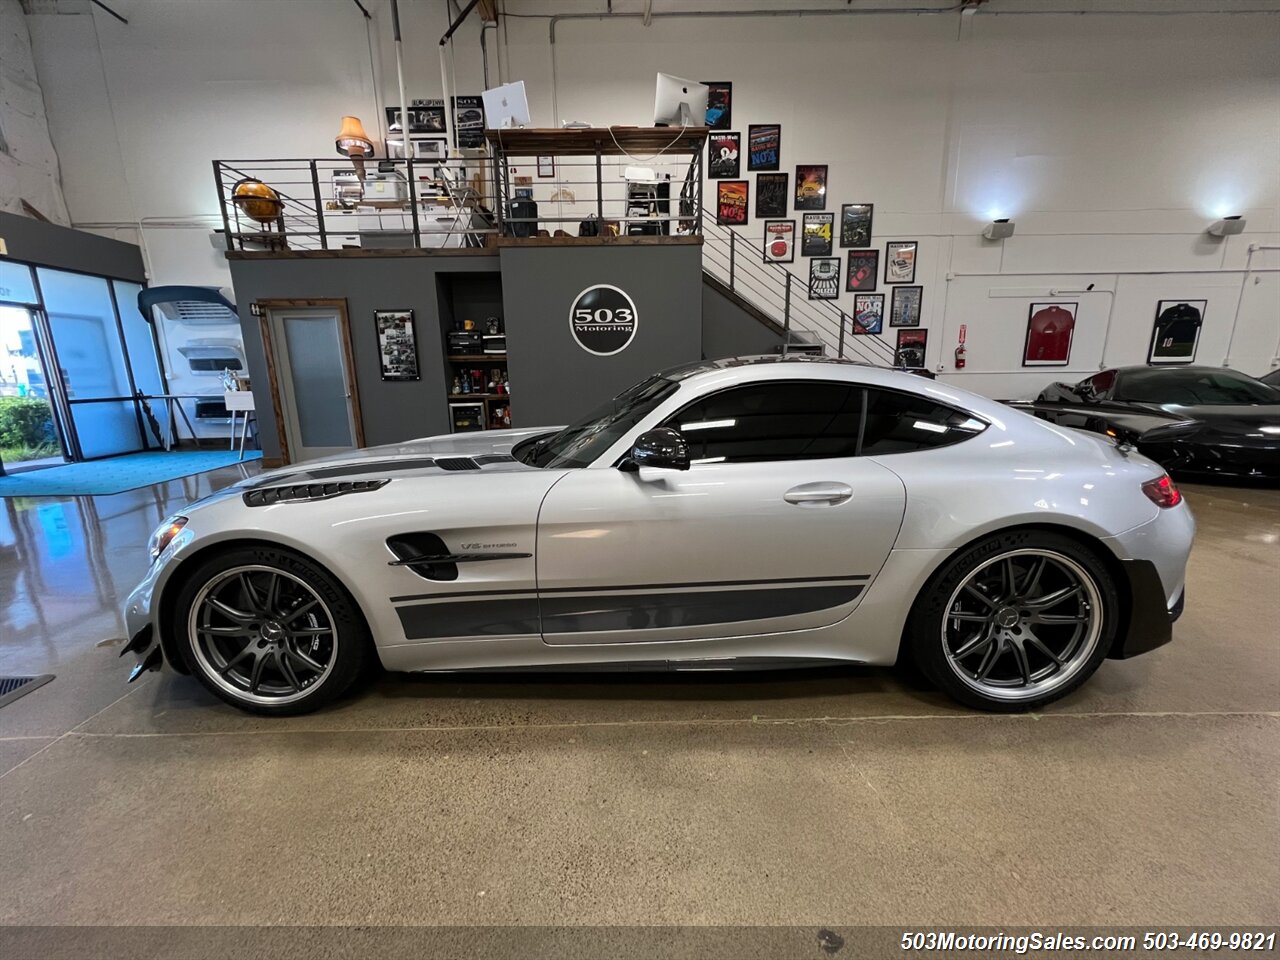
point(29, 429)
point(314, 383)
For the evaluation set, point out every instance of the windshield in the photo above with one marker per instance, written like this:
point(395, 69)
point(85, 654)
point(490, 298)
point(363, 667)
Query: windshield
point(1198, 385)
point(579, 444)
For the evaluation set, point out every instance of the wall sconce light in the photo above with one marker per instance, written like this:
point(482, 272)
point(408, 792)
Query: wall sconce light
point(998, 229)
point(1227, 226)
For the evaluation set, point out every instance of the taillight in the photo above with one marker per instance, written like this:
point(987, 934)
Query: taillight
point(1163, 492)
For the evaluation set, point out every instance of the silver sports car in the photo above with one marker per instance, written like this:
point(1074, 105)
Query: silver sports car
point(751, 512)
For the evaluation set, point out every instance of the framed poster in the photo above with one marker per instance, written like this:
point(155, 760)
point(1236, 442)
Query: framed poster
point(864, 268)
point(868, 313)
point(811, 187)
point(731, 203)
point(815, 240)
point(904, 311)
point(397, 344)
point(723, 151)
point(719, 104)
point(1049, 330)
point(911, 347)
point(900, 261)
point(546, 166)
point(425, 116)
point(855, 224)
point(1176, 333)
point(468, 121)
point(824, 278)
point(764, 146)
point(779, 241)
point(771, 195)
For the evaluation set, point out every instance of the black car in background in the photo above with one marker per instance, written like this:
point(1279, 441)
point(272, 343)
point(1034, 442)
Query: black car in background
point(1192, 420)
point(1272, 378)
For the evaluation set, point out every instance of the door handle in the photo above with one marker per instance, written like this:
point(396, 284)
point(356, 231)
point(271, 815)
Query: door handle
point(818, 494)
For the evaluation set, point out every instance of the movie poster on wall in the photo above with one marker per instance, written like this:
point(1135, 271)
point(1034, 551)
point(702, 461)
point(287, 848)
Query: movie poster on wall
point(468, 121)
point(1176, 332)
point(719, 104)
point(731, 203)
point(904, 310)
point(425, 116)
point(771, 195)
point(868, 313)
point(863, 270)
point(764, 146)
point(824, 278)
point(1050, 327)
point(811, 187)
point(723, 151)
point(911, 348)
point(779, 241)
point(815, 241)
point(855, 224)
point(900, 261)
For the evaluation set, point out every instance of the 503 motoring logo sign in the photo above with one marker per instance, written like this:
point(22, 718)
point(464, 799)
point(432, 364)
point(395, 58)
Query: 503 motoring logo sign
point(603, 320)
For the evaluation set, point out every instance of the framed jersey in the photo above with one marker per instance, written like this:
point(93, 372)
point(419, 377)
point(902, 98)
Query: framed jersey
point(1176, 333)
point(1050, 327)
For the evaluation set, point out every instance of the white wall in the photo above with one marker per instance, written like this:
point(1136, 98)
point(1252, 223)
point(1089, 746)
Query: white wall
point(28, 164)
point(1113, 140)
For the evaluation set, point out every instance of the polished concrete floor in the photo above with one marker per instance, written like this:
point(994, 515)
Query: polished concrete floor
point(854, 796)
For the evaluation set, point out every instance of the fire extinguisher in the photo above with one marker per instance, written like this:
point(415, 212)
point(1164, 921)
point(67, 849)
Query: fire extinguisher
point(960, 347)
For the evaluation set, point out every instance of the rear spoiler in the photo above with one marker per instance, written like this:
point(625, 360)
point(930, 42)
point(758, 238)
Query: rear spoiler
point(1127, 429)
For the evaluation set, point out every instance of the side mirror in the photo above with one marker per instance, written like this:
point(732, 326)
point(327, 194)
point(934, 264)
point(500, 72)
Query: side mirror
point(663, 448)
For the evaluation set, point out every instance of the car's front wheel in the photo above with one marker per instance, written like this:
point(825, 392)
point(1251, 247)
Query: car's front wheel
point(1015, 621)
point(269, 630)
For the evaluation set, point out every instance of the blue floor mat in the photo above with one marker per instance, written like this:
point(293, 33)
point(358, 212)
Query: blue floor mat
point(118, 474)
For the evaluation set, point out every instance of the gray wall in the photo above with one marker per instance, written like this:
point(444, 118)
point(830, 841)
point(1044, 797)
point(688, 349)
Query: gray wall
point(49, 245)
point(730, 331)
point(391, 411)
point(553, 380)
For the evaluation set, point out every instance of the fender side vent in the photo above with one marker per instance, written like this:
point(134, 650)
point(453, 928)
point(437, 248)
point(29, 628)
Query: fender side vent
point(456, 463)
point(307, 492)
point(487, 458)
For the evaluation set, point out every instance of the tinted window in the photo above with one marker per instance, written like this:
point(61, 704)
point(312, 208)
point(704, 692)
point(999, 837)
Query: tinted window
point(1194, 385)
point(902, 422)
point(1100, 384)
point(579, 444)
point(773, 421)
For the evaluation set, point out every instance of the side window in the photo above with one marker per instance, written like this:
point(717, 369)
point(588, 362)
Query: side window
point(798, 420)
point(903, 422)
point(1100, 384)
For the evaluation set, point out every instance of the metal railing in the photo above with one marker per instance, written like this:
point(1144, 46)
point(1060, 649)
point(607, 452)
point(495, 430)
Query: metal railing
point(783, 296)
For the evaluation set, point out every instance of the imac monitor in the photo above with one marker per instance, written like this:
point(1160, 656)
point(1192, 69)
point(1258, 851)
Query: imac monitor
point(506, 107)
point(679, 103)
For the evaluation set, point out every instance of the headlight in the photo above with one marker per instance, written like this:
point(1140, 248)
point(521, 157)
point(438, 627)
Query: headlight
point(163, 534)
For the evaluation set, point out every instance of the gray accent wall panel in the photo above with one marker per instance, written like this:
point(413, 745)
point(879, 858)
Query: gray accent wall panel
point(730, 331)
point(49, 245)
point(553, 380)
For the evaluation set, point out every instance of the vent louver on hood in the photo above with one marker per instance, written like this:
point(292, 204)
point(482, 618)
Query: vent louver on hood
point(456, 463)
point(306, 492)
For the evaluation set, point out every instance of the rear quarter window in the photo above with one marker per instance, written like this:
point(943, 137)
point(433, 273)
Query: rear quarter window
point(905, 422)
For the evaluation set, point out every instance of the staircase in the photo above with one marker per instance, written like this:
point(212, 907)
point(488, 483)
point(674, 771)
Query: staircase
point(735, 268)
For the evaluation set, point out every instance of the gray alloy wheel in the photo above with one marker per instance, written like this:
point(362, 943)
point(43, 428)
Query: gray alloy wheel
point(263, 635)
point(1022, 624)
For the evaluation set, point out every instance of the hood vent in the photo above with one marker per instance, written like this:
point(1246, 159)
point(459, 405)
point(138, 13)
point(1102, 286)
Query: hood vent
point(456, 463)
point(306, 492)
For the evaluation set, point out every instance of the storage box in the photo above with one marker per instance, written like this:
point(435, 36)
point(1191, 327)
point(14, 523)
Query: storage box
point(495, 342)
point(465, 341)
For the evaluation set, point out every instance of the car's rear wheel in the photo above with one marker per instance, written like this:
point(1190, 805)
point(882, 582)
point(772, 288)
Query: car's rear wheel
point(1016, 621)
point(269, 630)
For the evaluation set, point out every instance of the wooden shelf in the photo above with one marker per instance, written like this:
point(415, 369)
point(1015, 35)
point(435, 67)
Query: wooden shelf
point(476, 357)
point(479, 396)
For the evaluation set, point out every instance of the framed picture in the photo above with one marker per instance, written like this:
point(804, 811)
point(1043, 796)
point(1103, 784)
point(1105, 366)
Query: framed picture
point(764, 146)
point(911, 347)
point(815, 239)
point(864, 269)
point(868, 313)
point(723, 156)
point(1049, 330)
point(546, 166)
point(1176, 333)
point(811, 187)
point(771, 195)
point(397, 344)
point(424, 148)
point(719, 104)
point(855, 224)
point(904, 311)
point(900, 261)
point(425, 116)
point(731, 203)
point(824, 278)
point(779, 241)
point(468, 121)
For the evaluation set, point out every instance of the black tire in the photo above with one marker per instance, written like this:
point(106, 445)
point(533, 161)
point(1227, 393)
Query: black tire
point(934, 650)
point(346, 645)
